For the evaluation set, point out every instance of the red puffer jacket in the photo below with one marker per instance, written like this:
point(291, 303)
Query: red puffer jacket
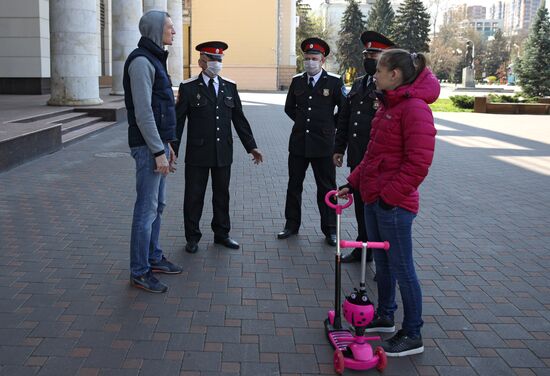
point(401, 146)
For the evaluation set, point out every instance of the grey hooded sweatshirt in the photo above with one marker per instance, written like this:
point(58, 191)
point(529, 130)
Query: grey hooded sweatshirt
point(142, 77)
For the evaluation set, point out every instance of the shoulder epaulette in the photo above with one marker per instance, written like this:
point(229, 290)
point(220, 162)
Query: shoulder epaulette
point(190, 80)
point(229, 80)
point(298, 75)
point(334, 75)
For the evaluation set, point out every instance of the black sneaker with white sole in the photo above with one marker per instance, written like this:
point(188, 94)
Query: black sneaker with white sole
point(403, 345)
point(381, 324)
point(165, 266)
point(148, 282)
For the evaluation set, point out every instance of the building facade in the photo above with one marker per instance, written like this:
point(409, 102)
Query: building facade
point(70, 47)
point(518, 15)
point(496, 11)
point(476, 12)
point(260, 34)
point(485, 27)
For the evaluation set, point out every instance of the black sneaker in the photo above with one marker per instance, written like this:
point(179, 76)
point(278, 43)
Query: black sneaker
point(403, 345)
point(165, 266)
point(148, 282)
point(381, 325)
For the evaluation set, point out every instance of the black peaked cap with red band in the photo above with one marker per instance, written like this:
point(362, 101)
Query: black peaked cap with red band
point(375, 42)
point(315, 45)
point(214, 48)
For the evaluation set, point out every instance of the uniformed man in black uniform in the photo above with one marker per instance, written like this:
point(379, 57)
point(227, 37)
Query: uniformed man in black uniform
point(311, 102)
point(210, 103)
point(354, 125)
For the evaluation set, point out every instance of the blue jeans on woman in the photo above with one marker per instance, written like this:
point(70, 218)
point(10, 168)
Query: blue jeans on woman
point(395, 265)
point(150, 203)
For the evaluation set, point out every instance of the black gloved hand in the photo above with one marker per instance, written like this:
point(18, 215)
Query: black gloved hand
point(348, 186)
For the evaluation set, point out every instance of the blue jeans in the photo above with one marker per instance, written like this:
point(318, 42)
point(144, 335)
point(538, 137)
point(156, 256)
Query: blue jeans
point(150, 202)
point(396, 264)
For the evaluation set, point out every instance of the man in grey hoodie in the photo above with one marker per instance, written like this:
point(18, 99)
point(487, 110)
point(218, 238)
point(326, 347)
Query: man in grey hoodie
point(151, 126)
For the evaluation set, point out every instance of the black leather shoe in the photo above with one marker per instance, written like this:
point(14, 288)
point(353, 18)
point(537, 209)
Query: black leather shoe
point(191, 247)
point(286, 233)
point(353, 256)
point(370, 256)
point(331, 240)
point(227, 242)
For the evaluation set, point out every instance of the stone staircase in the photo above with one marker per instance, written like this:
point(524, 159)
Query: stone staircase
point(26, 138)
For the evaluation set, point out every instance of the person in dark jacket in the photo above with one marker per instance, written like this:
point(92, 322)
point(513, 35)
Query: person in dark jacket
point(151, 126)
point(354, 125)
point(210, 103)
point(310, 103)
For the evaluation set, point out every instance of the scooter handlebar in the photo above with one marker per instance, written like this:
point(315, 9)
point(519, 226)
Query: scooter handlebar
point(353, 244)
point(337, 206)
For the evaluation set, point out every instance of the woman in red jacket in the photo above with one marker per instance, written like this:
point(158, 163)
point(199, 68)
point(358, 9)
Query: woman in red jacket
point(398, 156)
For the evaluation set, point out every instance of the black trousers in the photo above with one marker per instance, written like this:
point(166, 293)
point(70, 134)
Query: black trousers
point(359, 214)
point(196, 179)
point(325, 178)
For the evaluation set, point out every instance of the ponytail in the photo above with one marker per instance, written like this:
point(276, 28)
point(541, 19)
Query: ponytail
point(410, 64)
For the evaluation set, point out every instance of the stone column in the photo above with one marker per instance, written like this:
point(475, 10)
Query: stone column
point(154, 4)
point(126, 15)
point(73, 47)
point(175, 56)
point(292, 37)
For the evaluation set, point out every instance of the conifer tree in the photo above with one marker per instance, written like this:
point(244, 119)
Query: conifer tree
point(534, 70)
point(381, 17)
point(496, 53)
point(411, 26)
point(349, 55)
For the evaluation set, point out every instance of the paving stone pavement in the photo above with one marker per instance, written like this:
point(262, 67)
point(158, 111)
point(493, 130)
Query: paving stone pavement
point(482, 242)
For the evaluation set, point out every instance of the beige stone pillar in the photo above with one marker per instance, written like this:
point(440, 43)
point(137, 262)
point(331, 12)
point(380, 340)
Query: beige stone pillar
point(73, 48)
point(154, 4)
point(126, 15)
point(175, 56)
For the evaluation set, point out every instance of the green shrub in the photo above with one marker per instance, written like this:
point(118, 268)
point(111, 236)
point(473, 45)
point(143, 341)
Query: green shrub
point(516, 98)
point(491, 79)
point(463, 101)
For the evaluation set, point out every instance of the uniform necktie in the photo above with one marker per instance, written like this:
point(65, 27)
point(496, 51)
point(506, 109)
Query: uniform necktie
point(310, 83)
point(211, 87)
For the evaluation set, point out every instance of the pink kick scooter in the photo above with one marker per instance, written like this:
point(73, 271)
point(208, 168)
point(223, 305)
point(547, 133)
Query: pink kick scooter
point(352, 349)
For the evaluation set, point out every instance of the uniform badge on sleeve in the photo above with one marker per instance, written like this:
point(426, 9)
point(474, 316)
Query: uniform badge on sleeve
point(345, 91)
point(326, 92)
point(375, 104)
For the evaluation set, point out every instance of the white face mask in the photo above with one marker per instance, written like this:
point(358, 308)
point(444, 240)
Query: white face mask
point(312, 67)
point(213, 67)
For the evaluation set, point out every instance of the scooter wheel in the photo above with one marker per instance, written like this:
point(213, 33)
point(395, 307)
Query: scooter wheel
point(339, 364)
point(382, 359)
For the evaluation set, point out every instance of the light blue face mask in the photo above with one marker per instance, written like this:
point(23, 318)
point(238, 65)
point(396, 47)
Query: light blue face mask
point(312, 67)
point(213, 67)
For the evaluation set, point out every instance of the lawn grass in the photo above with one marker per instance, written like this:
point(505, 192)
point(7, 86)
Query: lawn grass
point(446, 105)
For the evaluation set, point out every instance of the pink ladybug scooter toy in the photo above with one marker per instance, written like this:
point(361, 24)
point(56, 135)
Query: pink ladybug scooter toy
point(352, 349)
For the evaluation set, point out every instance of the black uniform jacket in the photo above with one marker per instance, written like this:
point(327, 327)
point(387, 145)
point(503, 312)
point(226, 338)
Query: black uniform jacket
point(354, 120)
point(209, 135)
point(313, 112)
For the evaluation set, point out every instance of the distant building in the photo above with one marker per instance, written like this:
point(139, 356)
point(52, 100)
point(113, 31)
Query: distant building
point(476, 12)
point(461, 12)
point(518, 15)
point(496, 11)
point(486, 27)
